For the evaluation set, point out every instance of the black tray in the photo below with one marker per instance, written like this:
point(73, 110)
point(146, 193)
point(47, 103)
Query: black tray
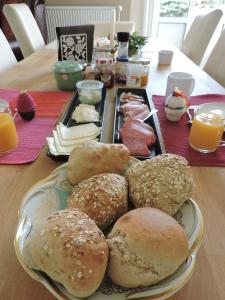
point(69, 122)
point(153, 121)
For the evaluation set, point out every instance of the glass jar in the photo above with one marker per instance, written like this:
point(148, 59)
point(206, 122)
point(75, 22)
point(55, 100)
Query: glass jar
point(207, 128)
point(121, 70)
point(104, 71)
point(89, 91)
point(145, 67)
point(134, 75)
point(8, 133)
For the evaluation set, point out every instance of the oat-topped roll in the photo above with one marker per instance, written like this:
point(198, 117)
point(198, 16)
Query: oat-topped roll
point(71, 249)
point(164, 182)
point(102, 197)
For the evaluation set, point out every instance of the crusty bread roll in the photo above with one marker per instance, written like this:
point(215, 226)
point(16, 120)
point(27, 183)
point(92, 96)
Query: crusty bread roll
point(92, 158)
point(146, 245)
point(102, 197)
point(164, 182)
point(71, 249)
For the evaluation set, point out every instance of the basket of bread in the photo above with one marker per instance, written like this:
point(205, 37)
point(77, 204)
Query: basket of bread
point(107, 226)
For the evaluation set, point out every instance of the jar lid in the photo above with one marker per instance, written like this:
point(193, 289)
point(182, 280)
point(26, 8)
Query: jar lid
point(142, 61)
point(123, 36)
point(67, 66)
point(123, 59)
point(89, 85)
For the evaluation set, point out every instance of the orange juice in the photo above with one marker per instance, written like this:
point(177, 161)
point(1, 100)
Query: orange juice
point(8, 134)
point(206, 132)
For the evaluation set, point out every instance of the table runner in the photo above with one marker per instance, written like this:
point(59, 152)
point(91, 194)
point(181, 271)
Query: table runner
point(32, 134)
point(175, 134)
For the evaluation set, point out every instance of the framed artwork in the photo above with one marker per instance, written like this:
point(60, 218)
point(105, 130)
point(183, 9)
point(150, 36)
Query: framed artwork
point(75, 43)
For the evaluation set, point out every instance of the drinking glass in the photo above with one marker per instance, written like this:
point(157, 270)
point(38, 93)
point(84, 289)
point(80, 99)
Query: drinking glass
point(207, 129)
point(8, 133)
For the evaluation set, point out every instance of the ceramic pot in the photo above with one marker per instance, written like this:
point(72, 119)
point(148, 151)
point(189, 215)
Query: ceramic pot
point(67, 74)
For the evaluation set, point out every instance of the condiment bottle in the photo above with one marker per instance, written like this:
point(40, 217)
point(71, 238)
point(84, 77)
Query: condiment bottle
point(121, 70)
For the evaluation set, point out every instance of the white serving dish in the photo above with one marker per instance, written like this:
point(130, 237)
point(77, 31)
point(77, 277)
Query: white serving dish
point(50, 195)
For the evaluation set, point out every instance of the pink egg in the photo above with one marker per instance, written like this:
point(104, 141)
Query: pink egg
point(26, 106)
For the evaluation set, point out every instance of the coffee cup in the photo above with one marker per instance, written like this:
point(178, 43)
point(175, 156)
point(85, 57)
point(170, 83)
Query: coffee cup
point(184, 81)
point(165, 57)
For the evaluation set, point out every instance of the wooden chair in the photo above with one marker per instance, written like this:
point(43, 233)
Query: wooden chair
point(7, 58)
point(24, 27)
point(200, 33)
point(124, 26)
point(215, 65)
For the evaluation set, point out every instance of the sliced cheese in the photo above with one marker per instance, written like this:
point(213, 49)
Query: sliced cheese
point(79, 131)
point(52, 147)
point(59, 147)
point(74, 141)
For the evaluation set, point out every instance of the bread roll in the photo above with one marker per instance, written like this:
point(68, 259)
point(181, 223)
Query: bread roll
point(146, 245)
point(71, 249)
point(102, 197)
point(92, 158)
point(164, 182)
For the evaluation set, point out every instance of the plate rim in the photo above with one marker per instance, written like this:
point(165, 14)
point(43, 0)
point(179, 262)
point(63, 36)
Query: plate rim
point(23, 219)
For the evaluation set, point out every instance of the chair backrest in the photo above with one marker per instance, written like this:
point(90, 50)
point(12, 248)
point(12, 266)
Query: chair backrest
point(104, 29)
point(215, 65)
point(124, 26)
point(199, 34)
point(24, 27)
point(7, 58)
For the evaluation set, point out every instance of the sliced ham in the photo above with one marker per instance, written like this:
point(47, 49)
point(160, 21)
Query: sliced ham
point(136, 135)
point(136, 147)
point(130, 122)
point(147, 130)
point(130, 107)
point(132, 113)
point(127, 97)
point(139, 116)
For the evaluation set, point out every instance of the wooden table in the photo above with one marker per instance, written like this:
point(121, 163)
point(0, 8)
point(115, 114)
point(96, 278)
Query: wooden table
point(34, 73)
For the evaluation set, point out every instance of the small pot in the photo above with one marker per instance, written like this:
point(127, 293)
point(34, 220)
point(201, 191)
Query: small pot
point(67, 74)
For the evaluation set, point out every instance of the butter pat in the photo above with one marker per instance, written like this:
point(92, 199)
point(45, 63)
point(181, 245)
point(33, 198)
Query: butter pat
point(85, 113)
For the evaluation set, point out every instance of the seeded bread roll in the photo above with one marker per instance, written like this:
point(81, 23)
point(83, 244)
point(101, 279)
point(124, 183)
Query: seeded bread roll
point(164, 182)
point(146, 245)
point(92, 158)
point(103, 197)
point(71, 249)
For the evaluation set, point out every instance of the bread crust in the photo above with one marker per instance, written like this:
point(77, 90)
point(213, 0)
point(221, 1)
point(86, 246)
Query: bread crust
point(164, 182)
point(71, 249)
point(146, 245)
point(103, 197)
point(92, 158)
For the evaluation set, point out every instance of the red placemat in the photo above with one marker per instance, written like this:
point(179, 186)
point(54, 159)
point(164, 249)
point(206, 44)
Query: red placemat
point(175, 134)
point(32, 134)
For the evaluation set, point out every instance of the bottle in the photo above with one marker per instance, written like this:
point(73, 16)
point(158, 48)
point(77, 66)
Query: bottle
point(104, 71)
point(133, 75)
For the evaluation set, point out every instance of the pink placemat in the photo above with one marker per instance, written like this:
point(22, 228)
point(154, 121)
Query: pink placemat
point(176, 134)
point(32, 134)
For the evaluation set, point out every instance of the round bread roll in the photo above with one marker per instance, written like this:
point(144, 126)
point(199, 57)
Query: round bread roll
point(71, 249)
point(146, 245)
point(164, 182)
point(103, 197)
point(91, 158)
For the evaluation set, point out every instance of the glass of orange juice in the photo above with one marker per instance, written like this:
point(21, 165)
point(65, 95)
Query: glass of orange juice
point(8, 133)
point(207, 129)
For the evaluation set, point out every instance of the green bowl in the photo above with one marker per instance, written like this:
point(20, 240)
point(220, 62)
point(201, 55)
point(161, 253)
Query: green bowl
point(67, 74)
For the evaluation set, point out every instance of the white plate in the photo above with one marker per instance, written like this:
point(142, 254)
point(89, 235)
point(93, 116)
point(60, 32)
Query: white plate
point(51, 194)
